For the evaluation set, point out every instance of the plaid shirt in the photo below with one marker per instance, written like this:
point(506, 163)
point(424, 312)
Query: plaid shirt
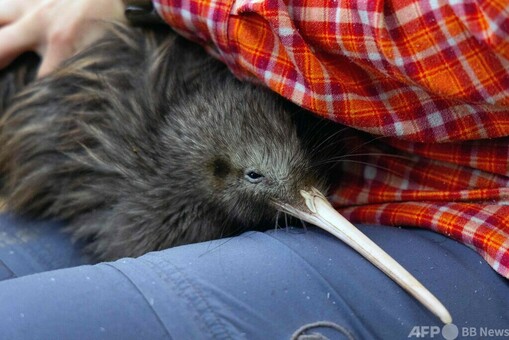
point(429, 80)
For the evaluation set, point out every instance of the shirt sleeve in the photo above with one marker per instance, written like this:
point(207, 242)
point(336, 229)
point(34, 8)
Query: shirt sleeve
point(417, 70)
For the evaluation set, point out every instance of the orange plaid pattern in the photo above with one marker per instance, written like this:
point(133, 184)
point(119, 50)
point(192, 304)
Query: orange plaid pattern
point(429, 78)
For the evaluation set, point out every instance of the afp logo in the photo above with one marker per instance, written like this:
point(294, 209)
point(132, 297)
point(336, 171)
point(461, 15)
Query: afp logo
point(448, 332)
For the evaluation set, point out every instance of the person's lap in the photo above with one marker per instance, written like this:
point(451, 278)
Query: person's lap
point(28, 247)
point(255, 286)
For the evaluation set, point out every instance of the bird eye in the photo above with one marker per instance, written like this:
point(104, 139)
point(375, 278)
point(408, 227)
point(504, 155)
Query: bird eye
point(253, 176)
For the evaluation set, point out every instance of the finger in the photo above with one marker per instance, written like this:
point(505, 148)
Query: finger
point(64, 44)
point(5, 19)
point(7, 14)
point(14, 40)
point(53, 57)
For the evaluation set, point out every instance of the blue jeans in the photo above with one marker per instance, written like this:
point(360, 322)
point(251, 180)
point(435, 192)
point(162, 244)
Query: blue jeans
point(271, 285)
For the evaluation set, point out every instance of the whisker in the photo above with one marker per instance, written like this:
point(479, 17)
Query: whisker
point(373, 165)
point(345, 157)
point(222, 242)
point(328, 138)
point(276, 224)
point(303, 224)
point(343, 148)
point(366, 143)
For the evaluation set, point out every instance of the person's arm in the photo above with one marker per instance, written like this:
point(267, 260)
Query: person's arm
point(55, 29)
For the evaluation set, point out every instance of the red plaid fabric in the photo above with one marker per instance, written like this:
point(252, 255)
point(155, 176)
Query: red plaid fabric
point(429, 80)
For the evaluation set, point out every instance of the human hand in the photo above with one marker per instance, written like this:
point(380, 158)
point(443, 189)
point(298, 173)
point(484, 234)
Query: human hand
point(55, 29)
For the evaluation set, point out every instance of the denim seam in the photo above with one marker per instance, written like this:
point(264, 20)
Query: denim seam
point(194, 298)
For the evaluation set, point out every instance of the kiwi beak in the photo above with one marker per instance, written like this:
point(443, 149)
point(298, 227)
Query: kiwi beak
point(323, 215)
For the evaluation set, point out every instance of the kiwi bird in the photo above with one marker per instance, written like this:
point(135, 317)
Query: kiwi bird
point(144, 142)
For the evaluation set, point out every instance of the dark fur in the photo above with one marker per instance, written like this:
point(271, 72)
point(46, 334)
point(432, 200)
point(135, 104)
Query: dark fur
point(143, 144)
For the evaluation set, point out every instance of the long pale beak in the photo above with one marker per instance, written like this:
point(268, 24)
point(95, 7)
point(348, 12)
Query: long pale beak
point(323, 215)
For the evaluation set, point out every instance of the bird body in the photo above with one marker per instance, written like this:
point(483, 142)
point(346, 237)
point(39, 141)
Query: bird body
point(143, 143)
